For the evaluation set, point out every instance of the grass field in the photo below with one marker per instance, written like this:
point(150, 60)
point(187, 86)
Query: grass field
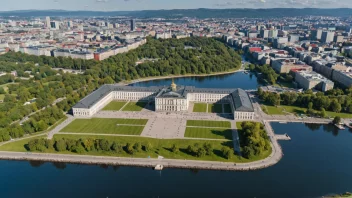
point(215, 108)
point(208, 133)
point(283, 109)
point(134, 106)
point(18, 145)
point(114, 106)
point(161, 147)
point(206, 123)
point(200, 107)
point(227, 108)
point(106, 126)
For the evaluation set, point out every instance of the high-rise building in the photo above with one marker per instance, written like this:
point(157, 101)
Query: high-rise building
point(69, 24)
point(133, 25)
point(294, 38)
point(55, 25)
point(316, 34)
point(264, 33)
point(47, 22)
point(273, 33)
point(327, 37)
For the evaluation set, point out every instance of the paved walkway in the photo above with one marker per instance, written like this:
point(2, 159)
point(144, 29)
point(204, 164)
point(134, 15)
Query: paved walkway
point(235, 138)
point(59, 127)
point(143, 162)
point(165, 128)
point(97, 134)
point(124, 105)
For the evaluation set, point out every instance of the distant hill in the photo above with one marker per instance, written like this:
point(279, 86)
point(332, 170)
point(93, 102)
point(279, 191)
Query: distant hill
point(199, 13)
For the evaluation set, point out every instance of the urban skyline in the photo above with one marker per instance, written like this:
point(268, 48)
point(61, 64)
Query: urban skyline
point(131, 5)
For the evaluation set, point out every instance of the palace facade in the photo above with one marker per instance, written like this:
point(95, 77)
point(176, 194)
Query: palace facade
point(170, 99)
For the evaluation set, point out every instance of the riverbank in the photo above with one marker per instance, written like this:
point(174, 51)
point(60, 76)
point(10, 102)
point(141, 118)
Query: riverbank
point(180, 76)
point(139, 162)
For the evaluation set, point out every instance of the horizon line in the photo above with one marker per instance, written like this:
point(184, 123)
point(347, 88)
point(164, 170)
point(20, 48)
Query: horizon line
point(170, 9)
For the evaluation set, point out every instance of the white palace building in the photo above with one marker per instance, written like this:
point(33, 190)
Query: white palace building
point(169, 99)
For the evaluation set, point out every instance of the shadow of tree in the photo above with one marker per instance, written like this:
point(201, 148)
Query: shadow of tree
point(225, 133)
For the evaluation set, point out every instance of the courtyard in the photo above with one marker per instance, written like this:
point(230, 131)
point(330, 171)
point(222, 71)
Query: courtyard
point(218, 108)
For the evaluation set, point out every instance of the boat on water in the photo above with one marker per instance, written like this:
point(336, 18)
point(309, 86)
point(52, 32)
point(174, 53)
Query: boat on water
point(159, 167)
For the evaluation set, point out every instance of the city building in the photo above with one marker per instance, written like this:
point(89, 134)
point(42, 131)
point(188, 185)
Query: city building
point(327, 37)
point(313, 80)
point(170, 99)
point(47, 22)
point(55, 25)
point(133, 25)
point(343, 78)
point(286, 65)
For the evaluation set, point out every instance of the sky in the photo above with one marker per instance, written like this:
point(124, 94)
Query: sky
point(129, 5)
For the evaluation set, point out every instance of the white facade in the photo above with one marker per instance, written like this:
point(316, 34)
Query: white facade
point(171, 104)
point(170, 100)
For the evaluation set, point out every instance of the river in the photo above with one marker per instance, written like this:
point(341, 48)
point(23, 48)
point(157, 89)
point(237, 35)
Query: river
point(316, 162)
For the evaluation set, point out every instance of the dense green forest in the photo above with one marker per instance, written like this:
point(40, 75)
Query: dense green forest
point(207, 56)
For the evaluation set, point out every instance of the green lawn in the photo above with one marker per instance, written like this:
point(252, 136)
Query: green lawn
point(18, 145)
point(206, 123)
point(200, 107)
point(106, 126)
point(208, 133)
point(134, 106)
point(283, 109)
point(114, 106)
point(215, 108)
point(2, 96)
point(161, 147)
point(227, 108)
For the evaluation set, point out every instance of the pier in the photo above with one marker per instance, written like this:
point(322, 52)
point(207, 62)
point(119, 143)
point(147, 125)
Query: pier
point(282, 137)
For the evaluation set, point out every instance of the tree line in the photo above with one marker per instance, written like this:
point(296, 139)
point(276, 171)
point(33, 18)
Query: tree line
point(103, 145)
point(335, 100)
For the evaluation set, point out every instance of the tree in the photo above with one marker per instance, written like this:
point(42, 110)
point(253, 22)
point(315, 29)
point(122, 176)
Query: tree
point(104, 145)
point(148, 147)
point(323, 113)
point(208, 148)
point(116, 147)
point(337, 120)
point(60, 145)
point(201, 152)
point(174, 148)
point(190, 149)
point(335, 106)
point(2, 91)
point(129, 148)
point(227, 152)
point(137, 147)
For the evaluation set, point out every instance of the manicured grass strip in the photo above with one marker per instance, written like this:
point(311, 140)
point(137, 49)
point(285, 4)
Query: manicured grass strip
point(106, 126)
point(208, 133)
point(134, 106)
point(227, 108)
point(215, 108)
point(159, 147)
point(19, 145)
point(200, 107)
point(207, 123)
point(114, 106)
